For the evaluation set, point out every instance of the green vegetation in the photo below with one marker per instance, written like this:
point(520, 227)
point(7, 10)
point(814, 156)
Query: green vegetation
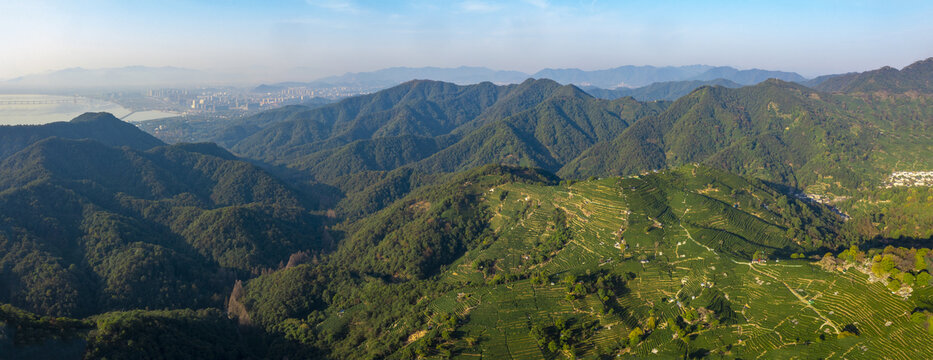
point(839, 147)
point(423, 222)
point(891, 213)
point(901, 268)
point(30, 329)
point(775, 131)
point(439, 127)
point(89, 228)
point(612, 288)
point(102, 127)
point(669, 90)
point(119, 335)
point(916, 77)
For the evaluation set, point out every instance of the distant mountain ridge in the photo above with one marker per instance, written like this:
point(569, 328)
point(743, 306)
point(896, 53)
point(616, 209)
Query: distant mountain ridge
point(619, 77)
point(747, 77)
point(638, 76)
point(396, 75)
point(671, 90)
point(109, 78)
point(914, 77)
point(136, 77)
point(623, 76)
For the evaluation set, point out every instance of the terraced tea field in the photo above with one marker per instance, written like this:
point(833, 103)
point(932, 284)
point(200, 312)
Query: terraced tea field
point(683, 241)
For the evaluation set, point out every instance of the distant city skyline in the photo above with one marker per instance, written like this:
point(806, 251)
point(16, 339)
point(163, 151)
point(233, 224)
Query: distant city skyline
point(319, 38)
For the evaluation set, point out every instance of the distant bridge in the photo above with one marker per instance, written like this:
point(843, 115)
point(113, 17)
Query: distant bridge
point(39, 102)
point(128, 115)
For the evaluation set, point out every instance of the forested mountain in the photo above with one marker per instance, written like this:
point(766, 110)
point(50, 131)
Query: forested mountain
point(820, 143)
point(417, 108)
point(246, 126)
point(441, 127)
point(777, 131)
point(711, 120)
point(194, 128)
point(428, 221)
point(450, 262)
point(671, 90)
point(914, 77)
point(502, 258)
point(546, 136)
point(88, 227)
point(102, 127)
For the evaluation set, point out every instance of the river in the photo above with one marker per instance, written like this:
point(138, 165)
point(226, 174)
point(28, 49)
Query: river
point(30, 109)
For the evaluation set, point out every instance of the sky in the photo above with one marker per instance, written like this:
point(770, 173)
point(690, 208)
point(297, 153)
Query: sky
point(317, 38)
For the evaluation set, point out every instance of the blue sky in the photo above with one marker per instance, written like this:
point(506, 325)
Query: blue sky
point(325, 37)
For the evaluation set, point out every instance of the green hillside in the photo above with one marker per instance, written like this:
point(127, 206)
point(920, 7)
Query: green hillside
point(509, 262)
point(102, 127)
point(88, 228)
point(121, 335)
point(914, 77)
point(546, 136)
point(583, 264)
point(437, 126)
point(433, 220)
point(669, 90)
point(832, 145)
point(416, 108)
point(379, 154)
point(775, 131)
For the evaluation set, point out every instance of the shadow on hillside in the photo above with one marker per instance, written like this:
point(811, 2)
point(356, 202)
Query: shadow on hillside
point(880, 242)
point(316, 195)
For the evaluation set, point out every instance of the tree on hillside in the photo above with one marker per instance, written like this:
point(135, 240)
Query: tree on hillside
point(920, 264)
point(635, 336)
point(923, 279)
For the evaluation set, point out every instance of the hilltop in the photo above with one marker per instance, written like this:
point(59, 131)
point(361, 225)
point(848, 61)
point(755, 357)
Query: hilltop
point(914, 77)
point(670, 90)
point(102, 127)
point(89, 227)
point(777, 131)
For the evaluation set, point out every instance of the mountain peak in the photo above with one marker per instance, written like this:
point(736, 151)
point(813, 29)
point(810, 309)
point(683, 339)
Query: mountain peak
point(925, 65)
point(95, 117)
point(103, 127)
point(778, 83)
point(914, 77)
point(571, 91)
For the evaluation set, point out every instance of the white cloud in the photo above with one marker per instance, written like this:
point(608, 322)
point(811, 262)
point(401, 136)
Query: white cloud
point(542, 4)
point(335, 5)
point(479, 6)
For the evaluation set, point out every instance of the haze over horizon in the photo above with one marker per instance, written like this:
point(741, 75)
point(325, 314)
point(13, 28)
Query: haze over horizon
point(332, 37)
